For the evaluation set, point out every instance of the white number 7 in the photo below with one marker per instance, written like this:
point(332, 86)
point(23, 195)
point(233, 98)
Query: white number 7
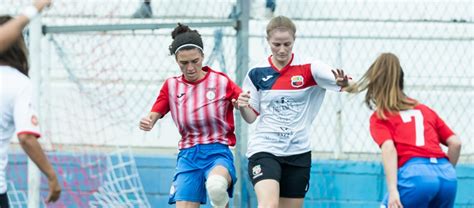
point(419, 127)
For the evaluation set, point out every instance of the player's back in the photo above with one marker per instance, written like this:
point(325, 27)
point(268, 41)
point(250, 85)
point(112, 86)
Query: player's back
point(416, 133)
point(13, 84)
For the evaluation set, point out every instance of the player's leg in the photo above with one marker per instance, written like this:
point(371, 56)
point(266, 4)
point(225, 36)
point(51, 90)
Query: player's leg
point(188, 187)
point(265, 172)
point(221, 176)
point(294, 182)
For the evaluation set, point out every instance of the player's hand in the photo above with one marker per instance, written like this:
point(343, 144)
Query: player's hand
point(41, 4)
point(242, 101)
point(342, 80)
point(147, 123)
point(394, 200)
point(54, 190)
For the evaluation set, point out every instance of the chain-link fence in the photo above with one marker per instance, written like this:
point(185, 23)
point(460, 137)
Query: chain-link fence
point(102, 68)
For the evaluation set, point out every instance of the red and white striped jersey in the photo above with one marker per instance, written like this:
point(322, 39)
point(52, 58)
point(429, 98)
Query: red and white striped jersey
point(416, 133)
point(203, 110)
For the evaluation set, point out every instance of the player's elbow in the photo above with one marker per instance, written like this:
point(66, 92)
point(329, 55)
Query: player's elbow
point(454, 142)
point(26, 139)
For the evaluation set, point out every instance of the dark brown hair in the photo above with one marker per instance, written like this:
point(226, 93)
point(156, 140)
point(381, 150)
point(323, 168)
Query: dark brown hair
point(17, 55)
point(182, 35)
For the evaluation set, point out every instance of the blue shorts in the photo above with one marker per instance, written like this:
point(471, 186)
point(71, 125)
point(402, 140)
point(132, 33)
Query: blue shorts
point(193, 167)
point(426, 182)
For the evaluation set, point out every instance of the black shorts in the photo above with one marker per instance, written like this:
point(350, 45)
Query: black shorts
point(292, 172)
point(4, 200)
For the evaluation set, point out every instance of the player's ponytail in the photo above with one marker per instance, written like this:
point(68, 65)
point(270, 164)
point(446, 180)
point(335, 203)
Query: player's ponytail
point(384, 84)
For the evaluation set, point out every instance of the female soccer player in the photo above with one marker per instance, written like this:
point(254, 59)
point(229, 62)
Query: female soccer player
point(200, 103)
point(409, 134)
point(286, 91)
point(18, 115)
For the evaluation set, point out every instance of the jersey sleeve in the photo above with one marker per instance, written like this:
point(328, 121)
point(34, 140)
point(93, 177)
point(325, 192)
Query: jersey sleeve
point(249, 86)
point(233, 90)
point(323, 76)
point(442, 129)
point(161, 104)
point(24, 114)
point(379, 130)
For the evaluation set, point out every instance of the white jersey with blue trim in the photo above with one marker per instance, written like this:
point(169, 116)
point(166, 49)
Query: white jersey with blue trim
point(287, 102)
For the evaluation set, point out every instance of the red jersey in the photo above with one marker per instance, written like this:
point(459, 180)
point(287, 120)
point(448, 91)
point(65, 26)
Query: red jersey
point(416, 133)
point(202, 111)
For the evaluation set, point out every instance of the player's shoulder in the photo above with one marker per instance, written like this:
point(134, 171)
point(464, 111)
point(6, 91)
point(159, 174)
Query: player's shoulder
point(374, 117)
point(12, 77)
point(217, 73)
point(259, 66)
point(426, 110)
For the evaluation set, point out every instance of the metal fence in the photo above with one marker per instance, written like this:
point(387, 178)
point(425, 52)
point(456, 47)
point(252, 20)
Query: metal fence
point(100, 69)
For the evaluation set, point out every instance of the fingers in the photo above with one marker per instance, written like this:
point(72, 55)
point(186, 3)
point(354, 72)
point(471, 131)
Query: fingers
point(41, 4)
point(243, 99)
point(146, 124)
point(395, 204)
point(54, 191)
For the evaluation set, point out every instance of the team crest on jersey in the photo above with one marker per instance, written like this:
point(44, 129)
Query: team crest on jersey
point(256, 171)
point(297, 81)
point(210, 95)
point(34, 120)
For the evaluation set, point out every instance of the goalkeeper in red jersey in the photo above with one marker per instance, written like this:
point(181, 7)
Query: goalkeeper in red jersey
point(418, 172)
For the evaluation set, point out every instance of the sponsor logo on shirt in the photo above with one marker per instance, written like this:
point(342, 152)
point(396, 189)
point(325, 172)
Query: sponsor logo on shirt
point(285, 109)
point(180, 95)
point(256, 171)
point(297, 81)
point(267, 78)
point(34, 120)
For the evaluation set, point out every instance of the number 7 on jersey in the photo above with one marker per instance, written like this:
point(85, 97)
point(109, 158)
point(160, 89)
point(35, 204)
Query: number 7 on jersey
point(419, 127)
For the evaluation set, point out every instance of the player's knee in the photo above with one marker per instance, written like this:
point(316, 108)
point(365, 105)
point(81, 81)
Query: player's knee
point(216, 186)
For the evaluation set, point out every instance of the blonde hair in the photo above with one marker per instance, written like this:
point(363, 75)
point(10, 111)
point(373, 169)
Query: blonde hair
point(281, 23)
point(384, 83)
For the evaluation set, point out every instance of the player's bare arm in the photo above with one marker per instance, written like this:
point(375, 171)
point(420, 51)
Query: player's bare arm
point(33, 149)
point(147, 123)
point(242, 103)
point(454, 149)
point(389, 158)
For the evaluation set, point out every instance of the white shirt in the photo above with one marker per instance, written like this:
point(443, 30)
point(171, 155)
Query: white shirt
point(287, 102)
point(17, 113)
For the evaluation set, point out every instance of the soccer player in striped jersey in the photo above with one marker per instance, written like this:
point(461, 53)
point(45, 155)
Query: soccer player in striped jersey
point(200, 104)
point(18, 116)
point(286, 92)
point(11, 30)
point(418, 172)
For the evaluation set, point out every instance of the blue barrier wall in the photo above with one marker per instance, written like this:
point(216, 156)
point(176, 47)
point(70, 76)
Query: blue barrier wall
point(332, 183)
